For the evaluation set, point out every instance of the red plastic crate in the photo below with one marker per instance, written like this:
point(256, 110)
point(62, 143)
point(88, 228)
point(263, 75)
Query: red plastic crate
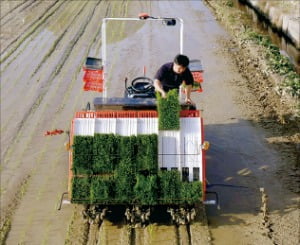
point(93, 86)
point(130, 114)
point(93, 80)
point(190, 113)
point(198, 76)
point(93, 75)
point(147, 114)
point(85, 114)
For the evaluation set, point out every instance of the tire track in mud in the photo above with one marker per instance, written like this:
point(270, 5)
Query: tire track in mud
point(49, 81)
point(104, 233)
point(77, 216)
point(25, 73)
point(6, 221)
point(21, 76)
point(163, 232)
point(22, 46)
point(30, 4)
point(57, 41)
point(70, 85)
point(198, 230)
point(44, 155)
point(12, 10)
point(77, 97)
point(96, 231)
point(23, 121)
point(108, 233)
point(116, 35)
point(31, 29)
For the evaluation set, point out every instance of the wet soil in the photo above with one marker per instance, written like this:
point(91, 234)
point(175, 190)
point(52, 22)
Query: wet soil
point(271, 160)
point(41, 88)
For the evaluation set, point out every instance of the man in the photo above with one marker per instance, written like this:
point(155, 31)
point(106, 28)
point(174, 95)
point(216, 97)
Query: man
point(172, 75)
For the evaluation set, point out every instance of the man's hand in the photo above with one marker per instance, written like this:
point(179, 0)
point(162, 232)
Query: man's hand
point(188, 89)
point(158, 88)
point(189, 101)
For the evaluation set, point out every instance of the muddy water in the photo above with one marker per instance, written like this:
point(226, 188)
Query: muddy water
point(47, 99)
point(240, 160)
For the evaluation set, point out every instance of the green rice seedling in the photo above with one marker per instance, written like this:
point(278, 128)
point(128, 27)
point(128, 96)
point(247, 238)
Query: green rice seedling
point(105, 153)
point(146, 190)
point(82, 154)
point(170, 187)
point(147, 151)
point(191, 192)
point(81, 190)
point(102, 190)
point(128, 148)
point(168, 111)
point(125, 181)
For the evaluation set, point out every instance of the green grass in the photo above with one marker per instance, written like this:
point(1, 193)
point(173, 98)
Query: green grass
point(277, 62)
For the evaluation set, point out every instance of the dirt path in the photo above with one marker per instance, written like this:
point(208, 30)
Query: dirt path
point(41, 88)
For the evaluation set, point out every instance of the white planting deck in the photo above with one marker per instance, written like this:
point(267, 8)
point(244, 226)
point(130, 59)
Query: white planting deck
point(177, 149)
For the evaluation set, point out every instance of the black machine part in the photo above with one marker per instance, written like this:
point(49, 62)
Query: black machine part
point(141, 87)
point(93, 63)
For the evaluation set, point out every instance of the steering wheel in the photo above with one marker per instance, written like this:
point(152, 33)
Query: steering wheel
point(142, 84)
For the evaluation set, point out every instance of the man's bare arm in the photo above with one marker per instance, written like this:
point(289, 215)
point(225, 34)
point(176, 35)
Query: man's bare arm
point(188, 90)
point(158, 87)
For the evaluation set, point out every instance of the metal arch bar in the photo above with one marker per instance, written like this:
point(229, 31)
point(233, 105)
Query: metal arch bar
point(61, 200)
point(103, 32)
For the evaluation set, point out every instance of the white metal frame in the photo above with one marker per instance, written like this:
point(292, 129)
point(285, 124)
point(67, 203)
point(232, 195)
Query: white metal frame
point(103, 31)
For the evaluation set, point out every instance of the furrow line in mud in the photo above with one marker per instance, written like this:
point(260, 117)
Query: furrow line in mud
point(14, 205)
point(115, 35)
point(114, 234)
point(93, 234)
point(131, 236)
point(12, 10)
point(76, 74)
point(73, 43)
point(31, 4)
point(30, 30)
point(57, 41)
point(14, 15)
point(70, 85)
point(183, 235)
point(49, 81)
point(108, 233)
point(14, 82)
point(67, 94)
point(78, 226)
point(5, 224)
point(198, 230)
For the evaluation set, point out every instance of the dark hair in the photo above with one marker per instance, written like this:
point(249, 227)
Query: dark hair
point(182, 60)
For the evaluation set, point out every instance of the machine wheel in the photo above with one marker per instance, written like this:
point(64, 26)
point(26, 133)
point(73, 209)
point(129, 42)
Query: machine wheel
point(142, 84)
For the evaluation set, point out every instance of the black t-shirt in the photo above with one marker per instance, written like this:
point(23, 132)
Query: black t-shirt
point(171, 80)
